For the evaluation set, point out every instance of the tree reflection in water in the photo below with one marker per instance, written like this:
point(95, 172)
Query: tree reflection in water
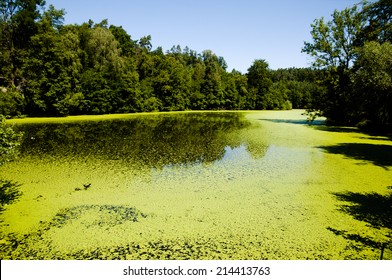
point(152, 141)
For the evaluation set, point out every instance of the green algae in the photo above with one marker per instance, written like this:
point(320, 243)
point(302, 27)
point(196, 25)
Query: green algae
point(254, 185)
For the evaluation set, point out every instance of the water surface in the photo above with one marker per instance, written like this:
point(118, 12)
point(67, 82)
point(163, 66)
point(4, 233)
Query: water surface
point(219, 185)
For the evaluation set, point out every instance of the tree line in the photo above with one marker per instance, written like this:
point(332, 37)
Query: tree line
point(48, 68)
point(52, 69)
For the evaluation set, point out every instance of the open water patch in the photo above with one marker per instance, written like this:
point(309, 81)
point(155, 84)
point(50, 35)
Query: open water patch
point(97, 215)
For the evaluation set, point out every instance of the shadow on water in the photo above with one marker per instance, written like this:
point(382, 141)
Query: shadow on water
point(296, 121)
point(96, 215)
point(380, 155)
point(342, 129)
point(371, 135)
point(372, 208)
point(9, 192)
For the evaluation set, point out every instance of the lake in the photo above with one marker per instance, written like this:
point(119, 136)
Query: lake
point(197, 185)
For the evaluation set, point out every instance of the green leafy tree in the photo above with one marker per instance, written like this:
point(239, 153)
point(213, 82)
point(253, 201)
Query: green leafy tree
point(333, 41)
point(211, 87)
point(378, 22)
point(145, 43)
point(198, 69)
point(172, 84)
point(333, 48)
point(373, 83)
point(103, 51)
point(241, 84)
point(12, 102)
point(17, 24)
point(9, 142)
point(126, 44)
point(109, 81)
point(231, 94)
point(357, 68)
point(57, 56)
point(259, 82)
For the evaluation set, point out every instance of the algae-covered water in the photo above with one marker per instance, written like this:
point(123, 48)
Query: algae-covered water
point(197, 185)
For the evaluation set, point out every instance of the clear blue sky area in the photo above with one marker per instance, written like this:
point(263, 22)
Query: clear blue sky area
point(240, 31)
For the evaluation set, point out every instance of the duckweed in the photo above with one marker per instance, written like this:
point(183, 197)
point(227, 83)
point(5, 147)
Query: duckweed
point(197, 185)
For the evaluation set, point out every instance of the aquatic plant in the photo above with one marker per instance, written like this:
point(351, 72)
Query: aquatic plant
point(193, 186)
point(9, 141)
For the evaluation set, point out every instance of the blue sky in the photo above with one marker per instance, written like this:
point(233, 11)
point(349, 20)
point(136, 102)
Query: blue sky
point(240, 31)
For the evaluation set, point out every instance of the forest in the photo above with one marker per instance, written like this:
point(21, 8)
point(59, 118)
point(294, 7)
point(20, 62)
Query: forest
point(48, 68)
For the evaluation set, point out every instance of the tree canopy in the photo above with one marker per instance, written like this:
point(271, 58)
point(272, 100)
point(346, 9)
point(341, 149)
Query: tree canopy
point(354, 50)
point(97, 68)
